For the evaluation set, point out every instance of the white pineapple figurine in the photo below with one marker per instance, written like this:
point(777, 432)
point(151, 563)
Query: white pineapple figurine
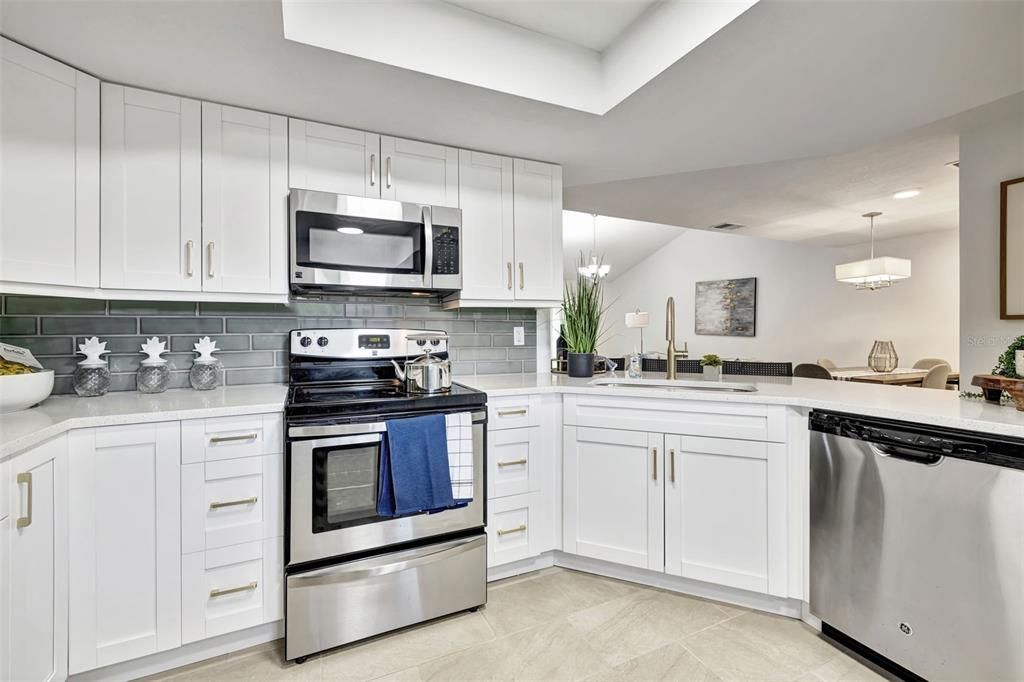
point(92, 377)
point(154, 348)
point(154, 376)
point(206, 370)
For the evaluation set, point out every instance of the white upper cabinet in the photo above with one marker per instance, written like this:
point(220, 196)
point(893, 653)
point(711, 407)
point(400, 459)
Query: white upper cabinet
point(49, 171)
point(537, 205)
point(419, 172)
point(34, 566)
point(613, 502)
point(485, 197)
point(151, 193)
point(332, 159)
point(125, 554)
point(245, 201)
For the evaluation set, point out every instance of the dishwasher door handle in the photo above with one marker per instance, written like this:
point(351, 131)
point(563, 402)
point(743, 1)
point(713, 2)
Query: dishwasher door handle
point(907, 454)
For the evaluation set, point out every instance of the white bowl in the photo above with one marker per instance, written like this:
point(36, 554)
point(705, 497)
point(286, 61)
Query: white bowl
point(21, 391)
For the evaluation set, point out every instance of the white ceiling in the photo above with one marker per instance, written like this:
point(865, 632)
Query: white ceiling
point(620, 243)
point(593, 24)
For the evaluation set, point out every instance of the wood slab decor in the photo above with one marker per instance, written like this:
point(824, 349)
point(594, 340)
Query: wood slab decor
point(1011, 249)
point(993, 386)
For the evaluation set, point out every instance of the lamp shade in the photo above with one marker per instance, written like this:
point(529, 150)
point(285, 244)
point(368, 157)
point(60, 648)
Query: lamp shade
point(638, 319)
point(874, 273)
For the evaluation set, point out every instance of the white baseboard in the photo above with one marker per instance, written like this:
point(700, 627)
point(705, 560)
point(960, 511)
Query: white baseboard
point(190, 653)
point(729, 595)
point(545, 560)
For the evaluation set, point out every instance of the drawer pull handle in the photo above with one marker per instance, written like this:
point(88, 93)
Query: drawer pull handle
point(25, 521)
point(511, 413)
point(508, 531)
point(511, 462)
point(217, 592)
point(232, 439)
point(233, 503)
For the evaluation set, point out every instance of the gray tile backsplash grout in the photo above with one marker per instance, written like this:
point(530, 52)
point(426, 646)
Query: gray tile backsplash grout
point(253, 336)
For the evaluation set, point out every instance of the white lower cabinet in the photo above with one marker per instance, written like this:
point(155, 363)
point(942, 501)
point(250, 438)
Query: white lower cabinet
point(515, 526)
point(34, 565)
point(125, 542)
point(613, 496)
point(725, 512)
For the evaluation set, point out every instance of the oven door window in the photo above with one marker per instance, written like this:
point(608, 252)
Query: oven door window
point(345, 485)
point(338, 242)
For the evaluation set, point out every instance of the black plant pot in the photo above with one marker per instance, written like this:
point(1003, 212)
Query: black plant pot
point(581, 364)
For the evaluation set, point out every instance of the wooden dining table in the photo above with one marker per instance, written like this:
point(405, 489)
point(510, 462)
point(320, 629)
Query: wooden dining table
point(901, 376)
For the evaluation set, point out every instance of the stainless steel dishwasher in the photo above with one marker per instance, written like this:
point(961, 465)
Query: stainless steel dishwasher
point(917, 546)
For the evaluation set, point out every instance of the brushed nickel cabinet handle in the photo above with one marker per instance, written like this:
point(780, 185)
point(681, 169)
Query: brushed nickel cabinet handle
point(511, 462)
point(232, 439)
point(189, 248)
point(25, 521)
point(508, 270)
point(233, 503)
point(672, 465)
point(508, 531)
point(373, 170)
point(388, 177)
point(209, 256)
point(511, 413)
point(522, 276)
point(654, 467)
point(217, 592)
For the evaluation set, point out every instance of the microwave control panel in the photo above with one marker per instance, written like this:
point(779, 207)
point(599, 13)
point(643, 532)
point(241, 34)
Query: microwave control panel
point(446, 251)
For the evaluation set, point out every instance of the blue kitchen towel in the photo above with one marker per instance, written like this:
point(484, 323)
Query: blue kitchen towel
point(414, 475)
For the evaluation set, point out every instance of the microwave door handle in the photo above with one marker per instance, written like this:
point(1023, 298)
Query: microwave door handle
point(428, 258)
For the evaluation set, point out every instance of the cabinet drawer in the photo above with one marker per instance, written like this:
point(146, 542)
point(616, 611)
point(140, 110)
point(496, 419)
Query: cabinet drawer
point(232, 588)
point(512, 529)
point(512, 413)
point(513, 462)
point(226, 502)
point(231, 437)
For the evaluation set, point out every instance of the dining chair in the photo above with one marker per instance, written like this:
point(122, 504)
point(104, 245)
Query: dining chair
point(809, 370)
point(827, 364)
point(928, 363)
point(936, 377)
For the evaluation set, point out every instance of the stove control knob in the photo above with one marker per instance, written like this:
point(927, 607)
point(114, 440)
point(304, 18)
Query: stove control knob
point(305, 341)
point(435, 342)
point(421, 342)
point(322, 341)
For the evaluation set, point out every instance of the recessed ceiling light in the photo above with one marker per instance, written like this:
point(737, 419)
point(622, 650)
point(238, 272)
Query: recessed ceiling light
point(906, 194)
point(350, 230)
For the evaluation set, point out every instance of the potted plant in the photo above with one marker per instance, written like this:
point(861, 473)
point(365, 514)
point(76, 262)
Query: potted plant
point(712, 366)
point(582, 310)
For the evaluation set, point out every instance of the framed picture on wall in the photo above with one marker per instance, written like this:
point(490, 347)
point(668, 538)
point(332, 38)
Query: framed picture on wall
point(1011, 249)
point(726, 307)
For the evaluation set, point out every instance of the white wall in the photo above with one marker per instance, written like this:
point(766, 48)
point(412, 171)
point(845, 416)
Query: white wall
point(990, 151)
point(803, 313)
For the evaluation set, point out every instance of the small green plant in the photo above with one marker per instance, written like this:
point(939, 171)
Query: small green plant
point(582, 310)
point(1007, 364)
point(711, 360)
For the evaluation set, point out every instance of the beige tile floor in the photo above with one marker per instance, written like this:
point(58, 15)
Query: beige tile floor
point(564, 625)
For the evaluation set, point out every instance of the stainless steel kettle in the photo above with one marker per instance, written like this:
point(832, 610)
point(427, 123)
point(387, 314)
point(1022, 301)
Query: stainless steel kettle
point(425, 374)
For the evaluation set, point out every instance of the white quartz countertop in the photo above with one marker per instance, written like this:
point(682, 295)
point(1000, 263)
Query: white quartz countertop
point(57, 414)
point(926, 406)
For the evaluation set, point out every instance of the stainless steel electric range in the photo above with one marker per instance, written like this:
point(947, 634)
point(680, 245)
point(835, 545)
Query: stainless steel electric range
point(350, 573)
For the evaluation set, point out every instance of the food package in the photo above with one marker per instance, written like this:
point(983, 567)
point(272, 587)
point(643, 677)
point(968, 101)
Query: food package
point(17, 360)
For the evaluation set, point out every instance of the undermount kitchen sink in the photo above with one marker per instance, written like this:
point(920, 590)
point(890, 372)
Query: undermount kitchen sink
point(681, 384)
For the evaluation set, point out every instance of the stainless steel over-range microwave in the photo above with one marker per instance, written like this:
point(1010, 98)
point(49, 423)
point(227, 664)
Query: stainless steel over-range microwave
point(346, 244)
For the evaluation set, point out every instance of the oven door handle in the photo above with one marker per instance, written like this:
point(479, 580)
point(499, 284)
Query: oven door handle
point(350, 430)
point(383, 565)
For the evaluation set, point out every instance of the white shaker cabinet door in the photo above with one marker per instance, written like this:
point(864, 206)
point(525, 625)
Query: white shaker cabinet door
point(419, 172)
point(725, 517)
point(485, 197)
point(245, 201)
point(34, 566)
point(125, 543)
point(49, 171)
point(537, 192)
point(613, 503)
point(151, 193)
point(332, 159)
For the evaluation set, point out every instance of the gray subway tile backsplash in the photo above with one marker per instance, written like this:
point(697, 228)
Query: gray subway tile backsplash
point(252, 336)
